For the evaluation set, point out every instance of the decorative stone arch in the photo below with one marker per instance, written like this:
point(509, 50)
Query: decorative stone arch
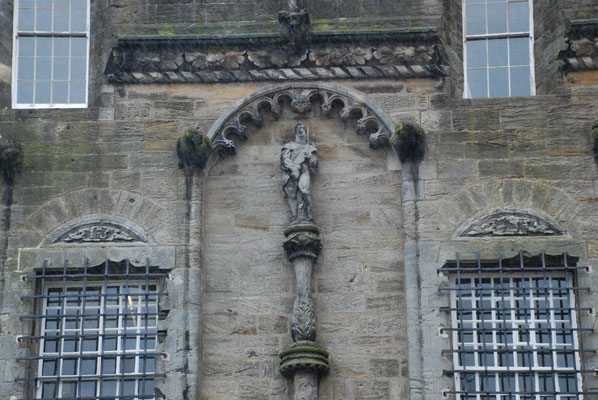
point(517, 196)
point(369, 118)
point(95, 225)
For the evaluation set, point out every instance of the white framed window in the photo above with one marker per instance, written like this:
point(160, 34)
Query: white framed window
point(97, 333)
point(498, 48)
point(50, 53)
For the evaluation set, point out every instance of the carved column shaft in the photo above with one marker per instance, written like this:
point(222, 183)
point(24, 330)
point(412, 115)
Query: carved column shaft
point(306, 385)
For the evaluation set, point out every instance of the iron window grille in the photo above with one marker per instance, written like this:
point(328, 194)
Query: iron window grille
point(95, 331)
point(50, 53)
point(515, 334)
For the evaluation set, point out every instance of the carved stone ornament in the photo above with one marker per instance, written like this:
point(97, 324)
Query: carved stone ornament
point(510, 223)
point(302, 240)
point(352, 108)
point(582, 52)
point(395, 55)
point(98, 233)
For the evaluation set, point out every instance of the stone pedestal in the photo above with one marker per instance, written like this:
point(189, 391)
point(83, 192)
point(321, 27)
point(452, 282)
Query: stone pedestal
point(303, 362)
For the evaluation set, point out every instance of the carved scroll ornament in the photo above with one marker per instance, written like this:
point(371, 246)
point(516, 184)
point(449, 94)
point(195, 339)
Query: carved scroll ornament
point(511, 222)
point(98, 233)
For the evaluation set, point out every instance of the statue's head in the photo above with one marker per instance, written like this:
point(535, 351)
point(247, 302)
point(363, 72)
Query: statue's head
point(300, 133)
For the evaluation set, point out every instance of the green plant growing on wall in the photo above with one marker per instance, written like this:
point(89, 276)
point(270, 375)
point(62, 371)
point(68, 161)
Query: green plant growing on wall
point(408, 141)
point(11, 160)
point(193, 150)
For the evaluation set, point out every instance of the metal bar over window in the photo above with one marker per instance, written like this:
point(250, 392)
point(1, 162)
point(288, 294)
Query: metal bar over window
point(515, 328)
point(95, 331)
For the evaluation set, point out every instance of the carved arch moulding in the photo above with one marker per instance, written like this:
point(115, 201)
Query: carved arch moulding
point(350, 105)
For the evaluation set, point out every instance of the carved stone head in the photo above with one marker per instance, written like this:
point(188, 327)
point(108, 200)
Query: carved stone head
point(300, 133)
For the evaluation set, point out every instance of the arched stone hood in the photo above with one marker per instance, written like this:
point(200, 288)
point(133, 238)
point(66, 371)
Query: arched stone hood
point(369, 118)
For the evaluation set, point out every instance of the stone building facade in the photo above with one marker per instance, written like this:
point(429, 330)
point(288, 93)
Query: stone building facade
point(507, 178)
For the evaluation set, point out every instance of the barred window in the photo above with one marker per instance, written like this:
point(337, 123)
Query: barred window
point(498, 48)
point(50, 55)
point(97, 332)
point(515, 331)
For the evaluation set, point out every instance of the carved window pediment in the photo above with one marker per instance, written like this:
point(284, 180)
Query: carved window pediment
point(98, 230)
point(510, 222)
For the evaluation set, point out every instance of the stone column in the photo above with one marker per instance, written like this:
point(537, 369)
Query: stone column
point(304, 361)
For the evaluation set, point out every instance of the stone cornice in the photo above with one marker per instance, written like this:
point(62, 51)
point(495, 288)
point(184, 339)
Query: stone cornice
point(582, 53)
point(394, 53)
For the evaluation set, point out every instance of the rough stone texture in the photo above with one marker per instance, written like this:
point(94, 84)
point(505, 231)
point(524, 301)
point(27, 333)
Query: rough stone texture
point(386, 230)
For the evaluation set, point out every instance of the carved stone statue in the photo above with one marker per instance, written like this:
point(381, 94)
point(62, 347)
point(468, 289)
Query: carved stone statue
point(297, 160)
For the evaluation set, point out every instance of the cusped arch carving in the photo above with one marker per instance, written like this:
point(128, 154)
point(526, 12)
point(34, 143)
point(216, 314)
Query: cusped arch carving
point(369, 118)
point(510, 222)
point(93, 230)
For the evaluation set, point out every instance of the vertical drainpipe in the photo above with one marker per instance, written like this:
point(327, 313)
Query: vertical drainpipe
point(408, 142)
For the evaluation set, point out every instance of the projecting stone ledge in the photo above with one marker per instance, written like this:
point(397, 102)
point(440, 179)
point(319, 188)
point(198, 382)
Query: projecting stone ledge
point(302, 240)
point(304, 356)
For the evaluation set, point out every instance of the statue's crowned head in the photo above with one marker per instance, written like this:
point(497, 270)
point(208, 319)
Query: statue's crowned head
point(300, 133)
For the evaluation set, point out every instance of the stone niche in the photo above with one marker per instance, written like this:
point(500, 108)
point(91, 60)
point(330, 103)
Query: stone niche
point(357, 280)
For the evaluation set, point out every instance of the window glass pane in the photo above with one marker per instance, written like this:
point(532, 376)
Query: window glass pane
point(79, 4)
point(520, 81)
point(61, 47)
point(78, 69)
point(43, 66)
point(88, 366)
point(26, 3)
point(60, 68)
point(87, 389)
point(42, 95)
point(109, 366)
point(78, 47)
point(26, 20)
point(69, 366)
point(49, 390)
point(476, 54)
point(77, 92)
point(519, 17)
point(108, 388)
point(43, 47)
point(497, 53)
point(78, 20)
point(519, 51)
point(26, 46)
point(25, 68)
point(128, 387)
point(49, 368)
point(477, 83)
point(148, 387)
point(43, 21)
point(61, 20)
point(476, 19)
point(44, 3)
point(69, 389)
point(497, 18)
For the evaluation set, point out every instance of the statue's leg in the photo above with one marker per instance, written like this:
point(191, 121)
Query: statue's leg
point(291, 190)
point(304, 187)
